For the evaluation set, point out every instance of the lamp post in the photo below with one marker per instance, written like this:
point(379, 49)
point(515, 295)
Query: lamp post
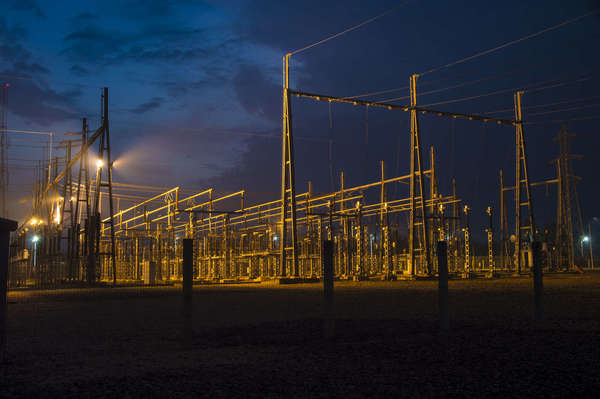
point(35, 240)
point(594, 219)
point(583, 240)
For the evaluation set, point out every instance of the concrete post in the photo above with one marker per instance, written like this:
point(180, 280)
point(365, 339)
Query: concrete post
point(442, 254)
point(328, 322)
point(538, 285)
point(188, 275)
point(6, 226)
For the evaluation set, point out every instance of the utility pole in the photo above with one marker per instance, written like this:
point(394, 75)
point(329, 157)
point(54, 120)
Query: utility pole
point(3, 149)
point(433, 192)
point(416, 182)
point(520, 183)
point(83, 181)
point(288, 179)
point(467, 231)
point(490, 239)
point(96, 224)
point(567, 199)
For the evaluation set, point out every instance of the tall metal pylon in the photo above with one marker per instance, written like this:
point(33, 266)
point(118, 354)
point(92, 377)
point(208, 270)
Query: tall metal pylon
point(288, 179)
point(521, 182)
point(80, 245)
point(567, 199)
point(94, 223)
point(417, 200)
point(3, 149)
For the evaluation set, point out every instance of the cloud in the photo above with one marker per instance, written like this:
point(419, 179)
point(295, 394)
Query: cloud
point(154, 44)
point(79, 70)
point(39, 104)
point(30, 97)
point(153, 104)
point(256, 94)
point(28, 6)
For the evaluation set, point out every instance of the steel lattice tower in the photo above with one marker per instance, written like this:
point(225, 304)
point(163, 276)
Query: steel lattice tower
point(3, 149)
point(568, 201)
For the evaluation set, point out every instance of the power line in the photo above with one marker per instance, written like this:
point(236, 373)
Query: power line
point(556, 121)
point(543, 105)
point(508, 90)
point(565, 109)
point(377, 92)
point(456, 85)
point(266, 136)
point(532, 35)
point(368, 21)
point(450, 87)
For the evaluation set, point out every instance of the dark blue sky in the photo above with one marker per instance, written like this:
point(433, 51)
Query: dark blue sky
point(192, 83)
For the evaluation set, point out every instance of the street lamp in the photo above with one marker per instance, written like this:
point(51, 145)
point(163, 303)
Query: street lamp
point(99, 163)
point(583, 240)
point(35, 240)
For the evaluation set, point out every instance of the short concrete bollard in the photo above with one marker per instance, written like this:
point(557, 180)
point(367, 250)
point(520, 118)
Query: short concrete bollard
point(442, 255)
point(538, 284)
point(6, 226)
point(328, 316)
point(188, 276)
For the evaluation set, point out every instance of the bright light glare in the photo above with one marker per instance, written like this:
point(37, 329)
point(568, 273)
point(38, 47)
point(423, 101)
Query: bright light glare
point(35, 238)
point(33, 221)
point(99, 163)
point(585, 239)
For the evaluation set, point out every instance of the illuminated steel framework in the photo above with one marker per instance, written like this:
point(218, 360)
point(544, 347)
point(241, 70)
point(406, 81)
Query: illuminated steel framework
point(419, 233)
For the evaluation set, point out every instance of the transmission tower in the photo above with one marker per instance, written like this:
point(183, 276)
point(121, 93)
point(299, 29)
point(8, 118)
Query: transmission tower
point(523, 233)
point(3, 149)
point(568, 201)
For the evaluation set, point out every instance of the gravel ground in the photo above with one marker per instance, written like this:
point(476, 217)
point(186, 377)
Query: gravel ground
point(265, 340)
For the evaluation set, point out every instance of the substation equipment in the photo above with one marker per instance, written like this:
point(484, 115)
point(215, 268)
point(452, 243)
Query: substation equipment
point(375, 235)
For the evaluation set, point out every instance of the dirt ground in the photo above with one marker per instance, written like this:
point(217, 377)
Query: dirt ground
point(265, 340)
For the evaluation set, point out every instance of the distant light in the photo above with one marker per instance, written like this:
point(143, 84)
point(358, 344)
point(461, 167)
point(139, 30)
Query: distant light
point(99, 163)
point(585, 239)
point(35, 238)
point(33, 221)
point(275, 238)
point(72, 198)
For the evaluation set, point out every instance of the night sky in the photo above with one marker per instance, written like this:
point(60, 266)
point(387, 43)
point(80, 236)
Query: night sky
point(194, 84)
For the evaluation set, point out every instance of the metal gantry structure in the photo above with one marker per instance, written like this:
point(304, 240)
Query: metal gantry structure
point(374, 234)
point(3, 148)
point(58, 243)
point(568, 210)
point(235, 241)
point(418, 230)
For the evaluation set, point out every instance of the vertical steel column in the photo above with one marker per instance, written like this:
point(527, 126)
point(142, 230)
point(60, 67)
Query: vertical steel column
point(416, 171)
point(503, 242)
point(490, 232)
point(110, 193)
point(288, 176)
point(347, 268)
point(455, 225)
point(382, 220)
point(467, 243)
point(432, 207)
point(521, 159)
